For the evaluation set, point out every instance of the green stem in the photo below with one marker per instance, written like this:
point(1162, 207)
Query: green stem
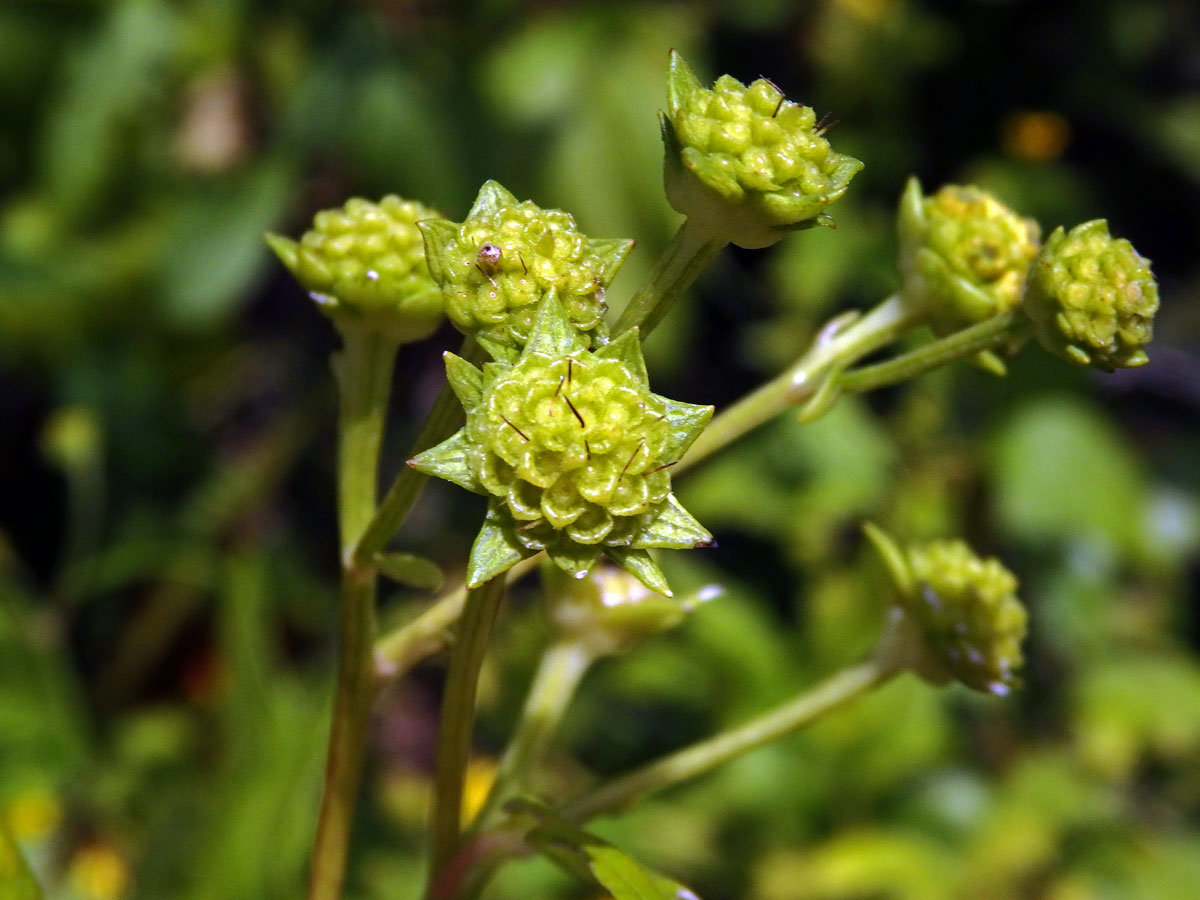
point(364, 376)
point(562, 667)
point(457, 719)
point(705, 755)
point(835, 348)
point(691, 250)
point(401, 649)
point(989, 334)
point(444, 417)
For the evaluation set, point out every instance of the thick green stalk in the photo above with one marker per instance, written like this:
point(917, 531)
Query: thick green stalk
point(444, 417)
point(364, 377)
point(834, 349)
point(457, 719)
point(691, 250)
point(705, 755)
point(561, 669)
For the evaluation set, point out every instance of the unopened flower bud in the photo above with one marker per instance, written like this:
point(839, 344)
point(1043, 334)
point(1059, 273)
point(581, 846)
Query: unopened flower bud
point(497, 265)
point(964, 255)
point(964, 608)
point(574, 451)
point(749, 163)
point(1092, 298)
point(367, 261)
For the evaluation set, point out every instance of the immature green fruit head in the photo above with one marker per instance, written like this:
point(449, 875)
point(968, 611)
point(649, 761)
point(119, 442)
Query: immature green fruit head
point(746, 162)
point(1092, 298)
point(964, 255)
point(969, 621)
point(574, 453)
point(366, 261)
point(497, 265)
point(611, 611)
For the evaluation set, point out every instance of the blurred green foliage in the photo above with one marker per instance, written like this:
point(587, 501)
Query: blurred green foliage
point(166, 536)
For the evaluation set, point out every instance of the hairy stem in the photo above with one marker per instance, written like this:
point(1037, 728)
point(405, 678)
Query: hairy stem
point(364, 375)
point(457, 719)
point(691, 250)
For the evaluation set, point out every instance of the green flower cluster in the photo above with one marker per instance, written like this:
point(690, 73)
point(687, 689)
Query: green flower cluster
point(573, 451)
point(964, 255)
point(367, 261)
point(1092, 298)
point(964, 608)
point(750, 163)
point(496, 266)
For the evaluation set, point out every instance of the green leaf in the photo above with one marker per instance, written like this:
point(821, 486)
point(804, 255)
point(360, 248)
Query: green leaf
point(627, 350)
point(16, 880)
point(451, 460)
point(673, 527)
point(411, 570)
point(641, 566)
point(553, 335)
point(574, 559)
point(496, 549)
point(687, 420)
point(465, 380)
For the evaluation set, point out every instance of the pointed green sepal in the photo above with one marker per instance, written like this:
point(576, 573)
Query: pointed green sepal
point(553, 334)
point(439, 236)
point(465, 380)
point(672, 527)
point(611, 252)
point(492, 197)
point(410, 570)
point(451, 460)
point(627, 350)
point(285, 248)
point(496, 550)
point(641, 566)
point(687, 420)
point(574, 559)
point(681, 82)
point(891, 556)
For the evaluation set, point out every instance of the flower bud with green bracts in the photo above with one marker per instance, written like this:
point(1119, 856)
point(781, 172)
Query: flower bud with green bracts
point(611, 611)
point(366, 262)
point(963, 610)
point(745, 161)
point(496, 266)
point(574, 453)
point(964, 257)
point(1092, 298)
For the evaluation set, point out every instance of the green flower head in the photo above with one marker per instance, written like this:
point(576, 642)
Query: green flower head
point(1092, 298)
point(367, 261)
point(574, 453)
point(497, 265)
point(964, 255)
point(745, 160)
point(964, 608)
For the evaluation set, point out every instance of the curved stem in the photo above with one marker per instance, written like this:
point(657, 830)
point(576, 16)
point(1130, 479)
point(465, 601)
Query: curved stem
point(705, 755)
point(691, 250)
point(989, 334)
point(458, 717)
point(837, 345)
point(562, 667)
point(364, 377)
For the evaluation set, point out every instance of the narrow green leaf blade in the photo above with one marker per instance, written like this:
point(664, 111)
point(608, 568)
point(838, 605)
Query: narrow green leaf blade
point(411, 570)
point(627, 879)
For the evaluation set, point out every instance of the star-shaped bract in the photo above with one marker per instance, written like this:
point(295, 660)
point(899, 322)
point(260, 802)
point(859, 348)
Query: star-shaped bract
point(497, 265)
point(574, 453)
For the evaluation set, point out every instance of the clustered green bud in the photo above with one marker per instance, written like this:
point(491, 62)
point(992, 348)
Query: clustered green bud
point(367, 261)
point(573, 451)
point(748, 162)
point(611, 611)
point(964, 607)
point(496, 266)
point(964, 255)
point(1092, 298)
